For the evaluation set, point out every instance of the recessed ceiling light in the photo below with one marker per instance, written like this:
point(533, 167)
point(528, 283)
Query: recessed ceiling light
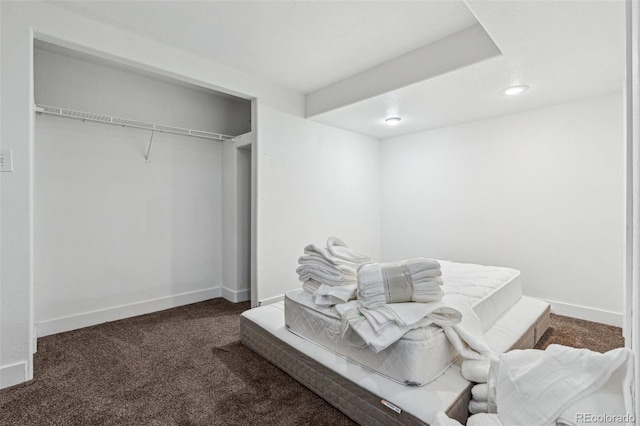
point(393, 121)
point(515, 90)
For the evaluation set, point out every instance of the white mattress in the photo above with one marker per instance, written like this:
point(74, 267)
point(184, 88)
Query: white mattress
point(421, 402)
point(422, 354)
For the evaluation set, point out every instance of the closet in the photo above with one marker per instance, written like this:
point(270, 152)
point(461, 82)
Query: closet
point(142, 191)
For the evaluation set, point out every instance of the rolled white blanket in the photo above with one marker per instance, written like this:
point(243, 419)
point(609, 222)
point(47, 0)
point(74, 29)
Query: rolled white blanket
point(479, 392)
point(476, 370)
point(476, 407)
point(415, 280)
point(442, 419)
point(484, 419)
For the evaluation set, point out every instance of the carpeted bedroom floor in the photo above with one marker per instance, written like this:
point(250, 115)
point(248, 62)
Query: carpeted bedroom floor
point(186, 366)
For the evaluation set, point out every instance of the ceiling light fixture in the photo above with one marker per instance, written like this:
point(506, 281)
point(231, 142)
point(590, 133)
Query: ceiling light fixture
point(515, 90)
point(393, 121)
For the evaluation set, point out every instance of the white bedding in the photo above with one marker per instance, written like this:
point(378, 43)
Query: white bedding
point(422, 354)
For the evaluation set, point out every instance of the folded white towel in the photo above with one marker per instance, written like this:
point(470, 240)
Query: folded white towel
point(315, 260)
point(484, 419)
point(329, 279)
point(479, 392)
point(415, 280)
point(336, 265)
point(476, 407)
point(337, 253)
point(326, 270)
point(340, 250)
point(475, 370)
point(311, 286)
point(328, 295)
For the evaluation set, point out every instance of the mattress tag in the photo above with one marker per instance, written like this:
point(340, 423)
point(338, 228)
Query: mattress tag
point(390, 405)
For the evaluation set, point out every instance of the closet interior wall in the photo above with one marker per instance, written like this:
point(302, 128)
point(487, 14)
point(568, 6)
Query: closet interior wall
point(116, 235)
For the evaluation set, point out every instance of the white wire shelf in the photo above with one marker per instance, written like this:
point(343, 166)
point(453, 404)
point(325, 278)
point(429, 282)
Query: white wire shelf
point(125, 122)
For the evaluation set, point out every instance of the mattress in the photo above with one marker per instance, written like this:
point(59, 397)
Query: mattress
point(358, 393)
point(422, 354)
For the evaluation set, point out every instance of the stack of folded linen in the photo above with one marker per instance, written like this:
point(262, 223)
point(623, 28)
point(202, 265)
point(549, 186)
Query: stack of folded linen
point(330, 273)
point(415, 280)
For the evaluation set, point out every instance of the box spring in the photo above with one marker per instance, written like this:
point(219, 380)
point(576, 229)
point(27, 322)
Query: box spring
point(357, 391)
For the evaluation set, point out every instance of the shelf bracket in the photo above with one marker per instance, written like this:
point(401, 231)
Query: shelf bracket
point(146, 157)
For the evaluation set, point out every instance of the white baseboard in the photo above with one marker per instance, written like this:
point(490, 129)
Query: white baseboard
point(271, 300)
point(13, 374)
point(236, 296)
point(585, 313)
point(86, 319)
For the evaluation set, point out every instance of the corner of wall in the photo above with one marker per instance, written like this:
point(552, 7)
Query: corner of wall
point(236, 296)
point(14, 374)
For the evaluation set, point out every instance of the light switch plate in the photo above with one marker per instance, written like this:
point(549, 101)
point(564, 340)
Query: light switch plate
point(6, 160)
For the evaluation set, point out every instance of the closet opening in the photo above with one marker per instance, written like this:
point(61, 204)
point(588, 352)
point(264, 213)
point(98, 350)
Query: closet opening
point(133, 208)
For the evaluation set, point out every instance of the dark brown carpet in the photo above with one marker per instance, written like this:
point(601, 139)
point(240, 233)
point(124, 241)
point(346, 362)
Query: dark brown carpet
point(581, 334)
point(186, 366)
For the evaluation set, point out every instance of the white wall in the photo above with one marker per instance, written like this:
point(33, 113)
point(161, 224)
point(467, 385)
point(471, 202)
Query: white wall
point(88, 84)
point(540, 191)
point(314, 181)
point(20, 20)
point(345, 211)
point(243, 225)
point(236, 219)
point(112, 230)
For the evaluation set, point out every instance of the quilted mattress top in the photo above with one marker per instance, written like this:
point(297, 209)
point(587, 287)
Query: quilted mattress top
point(490, 290)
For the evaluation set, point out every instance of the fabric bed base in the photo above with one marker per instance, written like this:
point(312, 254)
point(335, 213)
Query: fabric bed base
point(354, 401)
point(357, 392)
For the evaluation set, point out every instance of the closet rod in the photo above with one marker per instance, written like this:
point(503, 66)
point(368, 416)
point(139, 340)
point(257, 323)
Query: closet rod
point(88, 116)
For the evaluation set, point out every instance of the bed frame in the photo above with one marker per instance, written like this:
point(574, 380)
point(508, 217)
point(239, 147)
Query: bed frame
point(358, 403)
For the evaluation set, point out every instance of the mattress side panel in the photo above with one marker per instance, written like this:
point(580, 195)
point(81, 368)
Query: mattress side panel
point(410, 362)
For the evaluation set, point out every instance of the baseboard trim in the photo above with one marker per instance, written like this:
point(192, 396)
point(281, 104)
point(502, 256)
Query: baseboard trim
point(270, 300)
point(586, 313)
point(13, 374)
point(236, 296)
point(86, 319)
